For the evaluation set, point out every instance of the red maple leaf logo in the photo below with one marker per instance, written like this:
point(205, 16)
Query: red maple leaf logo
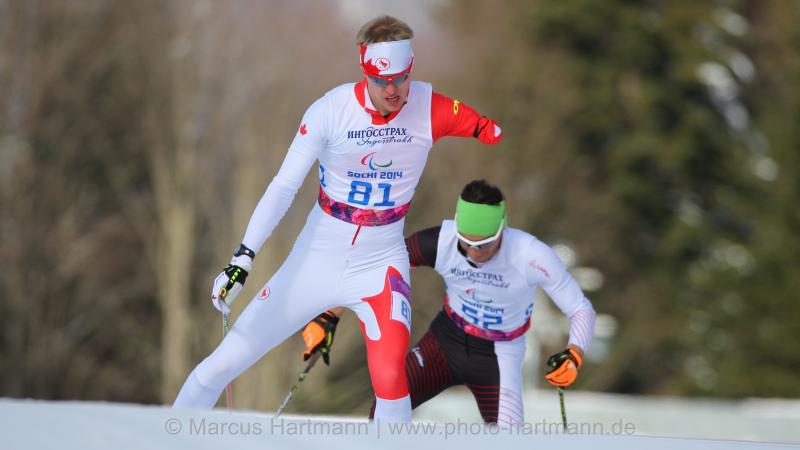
point(382, 63)
point(303, 129)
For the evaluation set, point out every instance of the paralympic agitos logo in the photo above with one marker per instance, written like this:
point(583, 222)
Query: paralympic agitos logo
point(369, 161)
point(475, 297)
point(376, 166)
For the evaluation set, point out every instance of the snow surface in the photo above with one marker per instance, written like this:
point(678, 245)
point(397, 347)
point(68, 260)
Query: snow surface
point(33, 424)
point(750, 419)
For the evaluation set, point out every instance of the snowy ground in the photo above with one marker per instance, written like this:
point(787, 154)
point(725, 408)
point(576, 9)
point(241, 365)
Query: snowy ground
point(764, 420)
point(30, 424)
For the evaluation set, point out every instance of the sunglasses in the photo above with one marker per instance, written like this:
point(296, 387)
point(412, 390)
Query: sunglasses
point(483, 243)
point(396, 80)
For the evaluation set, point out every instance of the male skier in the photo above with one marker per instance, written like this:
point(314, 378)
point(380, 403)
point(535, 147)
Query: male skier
point(371, 139)
point(491, 273)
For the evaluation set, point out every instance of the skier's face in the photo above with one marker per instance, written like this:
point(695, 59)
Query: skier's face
point(484, 252)
point(388, 97)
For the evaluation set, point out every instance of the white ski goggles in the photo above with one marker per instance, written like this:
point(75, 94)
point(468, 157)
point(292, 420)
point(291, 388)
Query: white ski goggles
point(483, 243)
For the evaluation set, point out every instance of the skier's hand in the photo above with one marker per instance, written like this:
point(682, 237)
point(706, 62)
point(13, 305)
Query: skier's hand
point(229, 282)
point(318, 335)
point(564, 367)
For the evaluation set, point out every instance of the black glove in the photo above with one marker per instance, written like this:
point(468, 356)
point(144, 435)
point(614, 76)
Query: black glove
point(230, 281)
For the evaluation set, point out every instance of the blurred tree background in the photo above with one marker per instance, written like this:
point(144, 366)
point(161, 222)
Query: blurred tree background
point(657, 138)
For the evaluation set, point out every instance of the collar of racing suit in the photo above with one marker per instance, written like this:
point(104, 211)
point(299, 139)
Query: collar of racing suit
point(363, 99)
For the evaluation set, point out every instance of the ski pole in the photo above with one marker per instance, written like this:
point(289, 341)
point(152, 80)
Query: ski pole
point(297, 384)
point(228, 387)
point(563, 410)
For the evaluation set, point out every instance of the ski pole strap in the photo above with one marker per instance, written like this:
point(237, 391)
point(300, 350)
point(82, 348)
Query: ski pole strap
point(358, 216)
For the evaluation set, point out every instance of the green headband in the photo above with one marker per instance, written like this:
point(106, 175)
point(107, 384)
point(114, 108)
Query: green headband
point(479, 219)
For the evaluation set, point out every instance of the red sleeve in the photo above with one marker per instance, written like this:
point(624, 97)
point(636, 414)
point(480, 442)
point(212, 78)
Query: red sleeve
point(450, 117)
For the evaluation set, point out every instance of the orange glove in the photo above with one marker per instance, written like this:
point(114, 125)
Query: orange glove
point(318, 335)
point(564, 367)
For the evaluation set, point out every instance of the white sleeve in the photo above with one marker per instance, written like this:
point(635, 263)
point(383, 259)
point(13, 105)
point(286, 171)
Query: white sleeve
point(546, 269)
point(581, 328)
point(308, 143)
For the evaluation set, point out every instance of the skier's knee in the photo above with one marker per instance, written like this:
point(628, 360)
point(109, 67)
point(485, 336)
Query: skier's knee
point(390, 382)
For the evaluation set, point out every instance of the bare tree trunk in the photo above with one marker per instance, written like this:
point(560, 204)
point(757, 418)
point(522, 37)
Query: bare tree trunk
point(175, 127)
point(174, 260)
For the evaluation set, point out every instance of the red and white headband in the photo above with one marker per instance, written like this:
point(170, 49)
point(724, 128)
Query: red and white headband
point(384, 59)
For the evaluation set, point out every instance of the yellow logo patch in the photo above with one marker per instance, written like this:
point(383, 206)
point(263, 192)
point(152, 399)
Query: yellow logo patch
point(455, 107)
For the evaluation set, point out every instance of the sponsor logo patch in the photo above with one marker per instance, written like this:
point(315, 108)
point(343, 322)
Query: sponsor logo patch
point(380, 135)
point(418, 354)
point(539, 267)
